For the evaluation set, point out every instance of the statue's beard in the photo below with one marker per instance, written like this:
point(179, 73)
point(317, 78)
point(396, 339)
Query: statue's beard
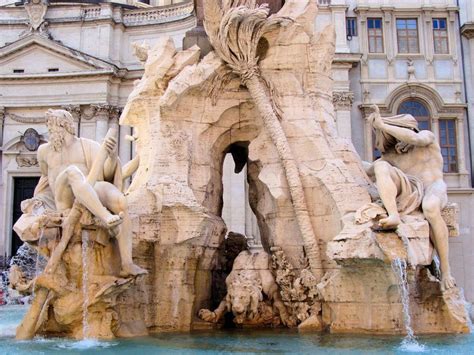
point(56, 139)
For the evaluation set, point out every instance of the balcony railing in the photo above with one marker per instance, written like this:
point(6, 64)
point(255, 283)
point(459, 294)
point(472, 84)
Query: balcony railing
point(158, 14)
point(154, 15)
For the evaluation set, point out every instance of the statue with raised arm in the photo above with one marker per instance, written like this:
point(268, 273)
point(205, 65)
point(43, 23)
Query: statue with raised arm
point(409, 175)
point(66, 161)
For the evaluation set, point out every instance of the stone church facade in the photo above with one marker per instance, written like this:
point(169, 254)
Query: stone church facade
point(407, 56)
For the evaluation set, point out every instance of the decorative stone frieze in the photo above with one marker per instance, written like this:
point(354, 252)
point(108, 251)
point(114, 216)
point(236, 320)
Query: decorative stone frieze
point(102, 112)
point(342, 100)
point(74, 110)
point(26, 161)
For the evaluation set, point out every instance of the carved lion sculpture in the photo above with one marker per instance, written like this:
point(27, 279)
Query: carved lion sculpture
point(248, 285)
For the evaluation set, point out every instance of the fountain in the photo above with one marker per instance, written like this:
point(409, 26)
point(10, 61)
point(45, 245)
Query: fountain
point(85, 284)
point(331, 245)
point(399, 267)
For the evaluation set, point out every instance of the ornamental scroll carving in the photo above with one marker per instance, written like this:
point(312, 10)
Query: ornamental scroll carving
point(342, 100)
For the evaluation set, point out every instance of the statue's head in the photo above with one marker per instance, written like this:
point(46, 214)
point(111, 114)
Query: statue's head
point(60, 123)
point(385, 141)
point(243, 297)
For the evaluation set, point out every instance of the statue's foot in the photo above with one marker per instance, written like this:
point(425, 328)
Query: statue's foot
point(391, 222)
point(112, 221)
point(447, 282)
point(132, 270)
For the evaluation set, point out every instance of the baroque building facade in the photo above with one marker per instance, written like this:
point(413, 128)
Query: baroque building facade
point(406, 56)
point(76, 56)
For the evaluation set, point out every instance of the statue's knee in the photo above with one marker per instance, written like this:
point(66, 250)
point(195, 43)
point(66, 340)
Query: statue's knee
point(431, 207)
point(122, 203)
point(73, 173)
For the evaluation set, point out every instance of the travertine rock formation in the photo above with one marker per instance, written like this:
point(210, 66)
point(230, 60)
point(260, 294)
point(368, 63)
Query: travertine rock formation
point(331, 264)
point(189, 114)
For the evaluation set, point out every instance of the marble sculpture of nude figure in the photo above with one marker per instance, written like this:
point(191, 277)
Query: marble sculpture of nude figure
point(408, 175)
point(64, 161)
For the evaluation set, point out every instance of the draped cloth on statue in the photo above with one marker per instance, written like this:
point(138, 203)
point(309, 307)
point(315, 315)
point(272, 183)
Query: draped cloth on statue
point(408, 200)
point(411, 192)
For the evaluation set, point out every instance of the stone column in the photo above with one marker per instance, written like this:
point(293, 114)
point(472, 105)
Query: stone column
point(435, 127)
point(248, 213)
point(102, 121)
point(364, 46)
point(2, 123)
point(460, 146)
point(342, 101)
point(369, 148)
point(339, 21)
point(125, 146)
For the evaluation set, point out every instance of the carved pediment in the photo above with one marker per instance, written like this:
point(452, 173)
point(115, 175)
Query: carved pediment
point(37, 55)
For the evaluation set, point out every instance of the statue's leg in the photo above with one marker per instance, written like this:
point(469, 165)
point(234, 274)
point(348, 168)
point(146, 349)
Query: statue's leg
point(115, 201)
point(270, 288)
point(434, 200)
point(388, 185)
point(71, 185)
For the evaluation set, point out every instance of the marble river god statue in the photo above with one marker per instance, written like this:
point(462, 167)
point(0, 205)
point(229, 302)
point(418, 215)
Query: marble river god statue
point(331, 240)
point(409, 175)
point(62, 198)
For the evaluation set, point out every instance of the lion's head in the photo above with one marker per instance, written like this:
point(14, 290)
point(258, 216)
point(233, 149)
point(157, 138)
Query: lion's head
point(243, 296)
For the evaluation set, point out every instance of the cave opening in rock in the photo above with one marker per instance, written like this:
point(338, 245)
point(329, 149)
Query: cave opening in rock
point(236, 211)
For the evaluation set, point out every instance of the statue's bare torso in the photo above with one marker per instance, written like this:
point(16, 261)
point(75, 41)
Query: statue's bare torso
point(56, 162)
point(423, 162)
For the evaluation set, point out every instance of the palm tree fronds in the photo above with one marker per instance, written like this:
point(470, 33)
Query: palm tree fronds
point(212, 18)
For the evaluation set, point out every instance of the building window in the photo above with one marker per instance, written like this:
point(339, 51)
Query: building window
point(51, 70)
point(375, 34)
point(448, 144)
point(407, 34)
point(440, 36)
point(18, 71)
point(417, 110)
point(351, 26)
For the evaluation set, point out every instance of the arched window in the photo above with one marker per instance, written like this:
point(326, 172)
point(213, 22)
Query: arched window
point(417, 110)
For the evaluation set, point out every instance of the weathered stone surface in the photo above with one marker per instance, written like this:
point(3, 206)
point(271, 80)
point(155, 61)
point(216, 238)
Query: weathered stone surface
point(332, 264)
point(366, 300)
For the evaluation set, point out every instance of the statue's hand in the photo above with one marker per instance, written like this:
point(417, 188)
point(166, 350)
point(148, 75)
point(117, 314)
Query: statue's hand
point(111, 146)
point(375, 119)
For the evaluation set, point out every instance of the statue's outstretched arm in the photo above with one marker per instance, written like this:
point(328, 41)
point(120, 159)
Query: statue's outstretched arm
point(405, 135)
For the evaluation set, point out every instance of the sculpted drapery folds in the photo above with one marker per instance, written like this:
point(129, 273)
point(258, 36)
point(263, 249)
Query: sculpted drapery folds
point(235, 29)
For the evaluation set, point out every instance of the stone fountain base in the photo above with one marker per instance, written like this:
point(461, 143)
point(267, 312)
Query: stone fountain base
point(363, 296)
point(64, 312)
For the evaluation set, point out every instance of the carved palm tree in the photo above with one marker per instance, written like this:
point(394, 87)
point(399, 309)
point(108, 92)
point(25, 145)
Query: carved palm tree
point(235, 29)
